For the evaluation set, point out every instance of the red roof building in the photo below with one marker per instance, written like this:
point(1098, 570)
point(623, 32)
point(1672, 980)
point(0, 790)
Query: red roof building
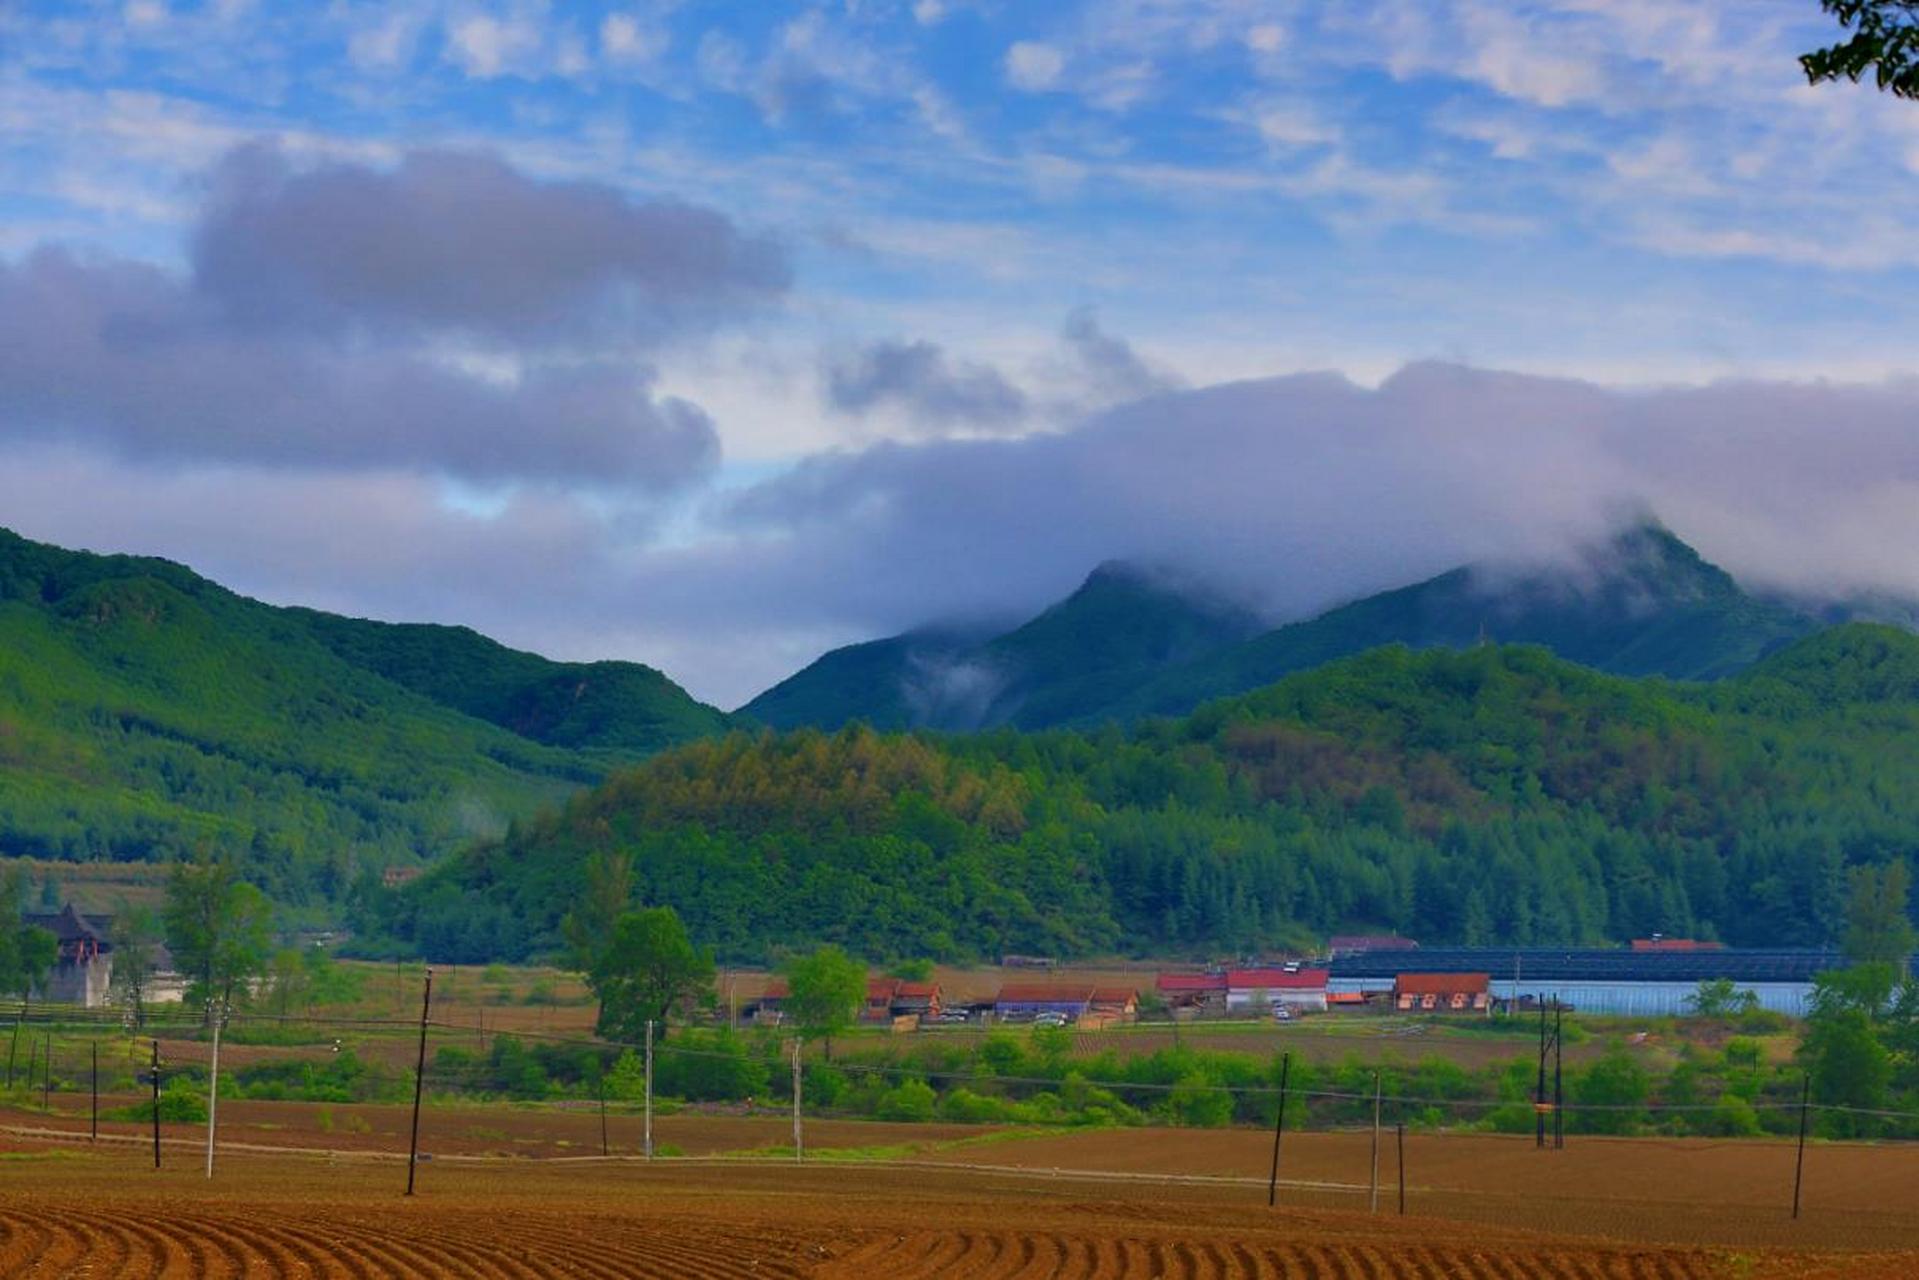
point(1442, 992)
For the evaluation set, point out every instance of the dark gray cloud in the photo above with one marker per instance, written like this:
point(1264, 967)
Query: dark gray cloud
point(1111, 371)
point(918, 380)
point(125, 356)
point(450, 241)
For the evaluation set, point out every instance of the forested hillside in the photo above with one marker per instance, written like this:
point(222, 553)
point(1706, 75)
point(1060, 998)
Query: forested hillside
point(1073, 661)
point(1494, 794)
point(145, 712)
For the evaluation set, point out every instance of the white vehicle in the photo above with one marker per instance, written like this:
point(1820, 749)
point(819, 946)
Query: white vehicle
point(1282, 1014)
point(1050, 1020)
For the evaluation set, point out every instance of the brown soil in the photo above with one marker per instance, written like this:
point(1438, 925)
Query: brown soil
point(1112, 1203)
point(272, 1217)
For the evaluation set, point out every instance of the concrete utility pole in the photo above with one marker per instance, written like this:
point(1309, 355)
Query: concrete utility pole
point(213, 1084)
point(646, 1133)
point(799, 1139)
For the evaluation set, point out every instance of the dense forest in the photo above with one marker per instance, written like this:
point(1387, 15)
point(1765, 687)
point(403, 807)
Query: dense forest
point(146, 713)
point(1493, 794)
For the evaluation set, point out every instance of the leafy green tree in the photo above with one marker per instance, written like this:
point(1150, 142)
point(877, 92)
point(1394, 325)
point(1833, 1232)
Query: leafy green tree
point(1610, 1095)
point(136, 948)
point(647, 970)
point(1849, 1066)
point(1883, 39)
point(609, 893)
point(217, 928)
point(1878, 914)
point(288, 979)
point(27, 952)
point(1721, 998)
point(825, 991)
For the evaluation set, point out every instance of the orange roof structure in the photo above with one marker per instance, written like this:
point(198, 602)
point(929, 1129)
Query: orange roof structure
point(1441, 984)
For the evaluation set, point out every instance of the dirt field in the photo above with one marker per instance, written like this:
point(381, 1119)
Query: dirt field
point(950, 1200)
point(274, 1217)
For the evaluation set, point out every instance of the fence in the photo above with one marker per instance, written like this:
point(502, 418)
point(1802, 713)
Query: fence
point(1351, 1135)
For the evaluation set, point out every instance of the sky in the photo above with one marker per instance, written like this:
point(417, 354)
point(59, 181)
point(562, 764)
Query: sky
point(715, 335)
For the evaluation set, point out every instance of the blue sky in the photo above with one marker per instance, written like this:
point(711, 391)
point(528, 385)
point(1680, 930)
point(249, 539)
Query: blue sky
point(980, 227)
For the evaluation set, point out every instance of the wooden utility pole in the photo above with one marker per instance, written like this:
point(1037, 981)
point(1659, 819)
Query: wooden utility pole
point(646, 1132)
point(1559, 1077)
point(96, 1093)
point(1539, 1089)
point(1373, 1206)
point(1279, 1130)
point(1799, 1164)
point(419, 1083)
point(156, 1104)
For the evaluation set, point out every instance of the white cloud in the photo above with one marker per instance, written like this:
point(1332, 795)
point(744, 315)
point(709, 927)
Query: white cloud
point(1293, 124)
point(146, 13)
point(929, 13)
point(1032, 66)
point(1267, 37)
point(625, 39)
point(384, 44)
point(485, 46)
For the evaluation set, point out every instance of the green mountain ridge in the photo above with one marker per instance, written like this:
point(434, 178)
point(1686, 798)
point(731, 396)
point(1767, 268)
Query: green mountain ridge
point(1495, 793)
point(1127, 645)
point(1121, 625)
point(146, 711)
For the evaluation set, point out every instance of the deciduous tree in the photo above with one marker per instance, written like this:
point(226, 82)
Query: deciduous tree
point(217, 928)
point(1882, 39)
point(136, 945)
point(825, 991)
point(647, 970)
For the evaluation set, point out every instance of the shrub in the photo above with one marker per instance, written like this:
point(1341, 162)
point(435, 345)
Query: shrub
point(911, 1100)
point(1198, 1103)
point(962, 1106)
point(180, 1103)
point(1732, 1117)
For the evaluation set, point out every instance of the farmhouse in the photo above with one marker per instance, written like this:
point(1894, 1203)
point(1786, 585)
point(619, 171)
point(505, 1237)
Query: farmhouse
point(84, 970)
point(1114, 1004)
point(1297, 989)
point(1442, 992)
point(890, 998)
point(1200, 992)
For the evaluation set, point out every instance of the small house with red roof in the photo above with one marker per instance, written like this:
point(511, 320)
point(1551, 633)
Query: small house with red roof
point(1202, 992)
point(1442, 992)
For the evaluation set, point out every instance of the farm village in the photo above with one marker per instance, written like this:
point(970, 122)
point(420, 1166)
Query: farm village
point(959, 640)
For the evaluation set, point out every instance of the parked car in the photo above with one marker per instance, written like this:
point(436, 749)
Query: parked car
point(954, 1015)
point(1282, 1014)
point(1050, 1020)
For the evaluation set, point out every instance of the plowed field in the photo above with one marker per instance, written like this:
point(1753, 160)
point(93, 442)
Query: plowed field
point(102, 1214)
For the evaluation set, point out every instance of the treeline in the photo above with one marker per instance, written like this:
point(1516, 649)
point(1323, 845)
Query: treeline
point(1494, 795)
